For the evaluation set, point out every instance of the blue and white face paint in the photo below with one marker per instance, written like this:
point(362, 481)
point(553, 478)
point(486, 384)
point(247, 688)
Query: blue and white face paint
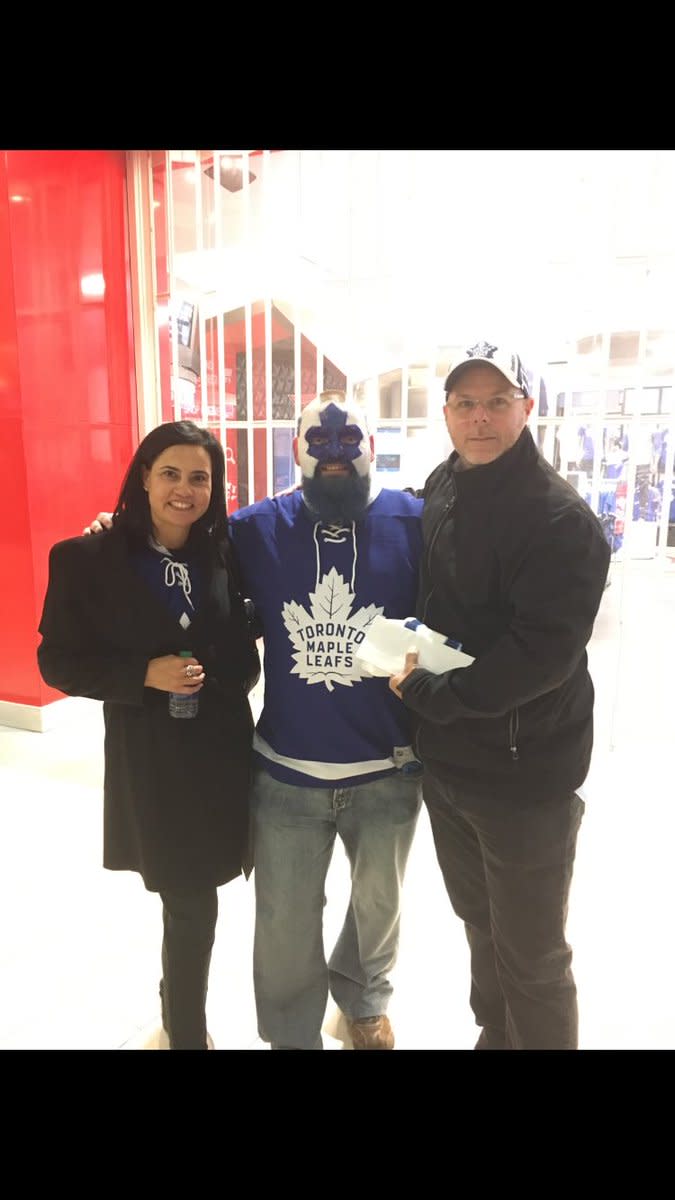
point(331, 432)
point(334, 457)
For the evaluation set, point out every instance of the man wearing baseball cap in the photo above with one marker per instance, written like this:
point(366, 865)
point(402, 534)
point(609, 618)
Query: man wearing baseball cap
point(513, 569)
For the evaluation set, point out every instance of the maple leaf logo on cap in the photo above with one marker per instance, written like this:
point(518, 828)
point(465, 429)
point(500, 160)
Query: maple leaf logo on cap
point(481, 350)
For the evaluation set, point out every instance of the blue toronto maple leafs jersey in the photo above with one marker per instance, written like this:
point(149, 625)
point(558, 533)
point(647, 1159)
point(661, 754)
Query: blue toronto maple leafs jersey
point(316, 588)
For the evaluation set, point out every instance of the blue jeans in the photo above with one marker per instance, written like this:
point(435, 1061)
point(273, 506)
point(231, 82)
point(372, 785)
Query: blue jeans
point(294, 836)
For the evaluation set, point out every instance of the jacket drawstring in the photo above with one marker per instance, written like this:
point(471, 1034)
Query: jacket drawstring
point(513, 734)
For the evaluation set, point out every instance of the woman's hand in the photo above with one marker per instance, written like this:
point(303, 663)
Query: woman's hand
point(172, 673)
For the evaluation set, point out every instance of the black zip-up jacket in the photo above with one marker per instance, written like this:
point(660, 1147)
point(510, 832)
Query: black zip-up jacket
point(514, 568)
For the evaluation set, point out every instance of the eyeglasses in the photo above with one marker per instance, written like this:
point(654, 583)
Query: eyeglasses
point(464, 408)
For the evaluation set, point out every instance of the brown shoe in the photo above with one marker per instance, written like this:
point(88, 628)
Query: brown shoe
point(371, 1033)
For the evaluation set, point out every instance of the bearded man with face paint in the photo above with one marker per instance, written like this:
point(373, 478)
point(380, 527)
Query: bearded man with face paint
point(332, 745)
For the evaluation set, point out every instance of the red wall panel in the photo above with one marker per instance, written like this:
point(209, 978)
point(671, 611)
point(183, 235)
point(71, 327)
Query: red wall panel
point(68, 414)
point(18, 678)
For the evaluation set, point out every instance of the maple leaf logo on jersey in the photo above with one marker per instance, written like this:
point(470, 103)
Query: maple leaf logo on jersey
point(326, 638)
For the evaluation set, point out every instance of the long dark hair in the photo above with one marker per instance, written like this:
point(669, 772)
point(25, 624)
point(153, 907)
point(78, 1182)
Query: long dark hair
point(132, 510)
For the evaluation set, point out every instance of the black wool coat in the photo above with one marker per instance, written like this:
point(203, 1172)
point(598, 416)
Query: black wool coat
point(175, 791)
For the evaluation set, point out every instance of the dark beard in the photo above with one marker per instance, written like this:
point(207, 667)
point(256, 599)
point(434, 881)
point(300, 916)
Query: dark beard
point(335, 501)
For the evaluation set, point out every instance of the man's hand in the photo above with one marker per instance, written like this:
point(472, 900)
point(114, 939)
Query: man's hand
point(410, 664)
point(104, 520)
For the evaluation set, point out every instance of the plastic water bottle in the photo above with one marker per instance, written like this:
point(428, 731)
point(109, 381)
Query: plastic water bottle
point(183, 705)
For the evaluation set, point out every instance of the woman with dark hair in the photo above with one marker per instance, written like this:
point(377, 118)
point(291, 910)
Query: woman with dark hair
point(145, 618)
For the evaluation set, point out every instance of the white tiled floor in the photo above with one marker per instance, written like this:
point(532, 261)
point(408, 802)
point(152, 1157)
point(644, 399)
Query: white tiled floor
point(79, 951)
